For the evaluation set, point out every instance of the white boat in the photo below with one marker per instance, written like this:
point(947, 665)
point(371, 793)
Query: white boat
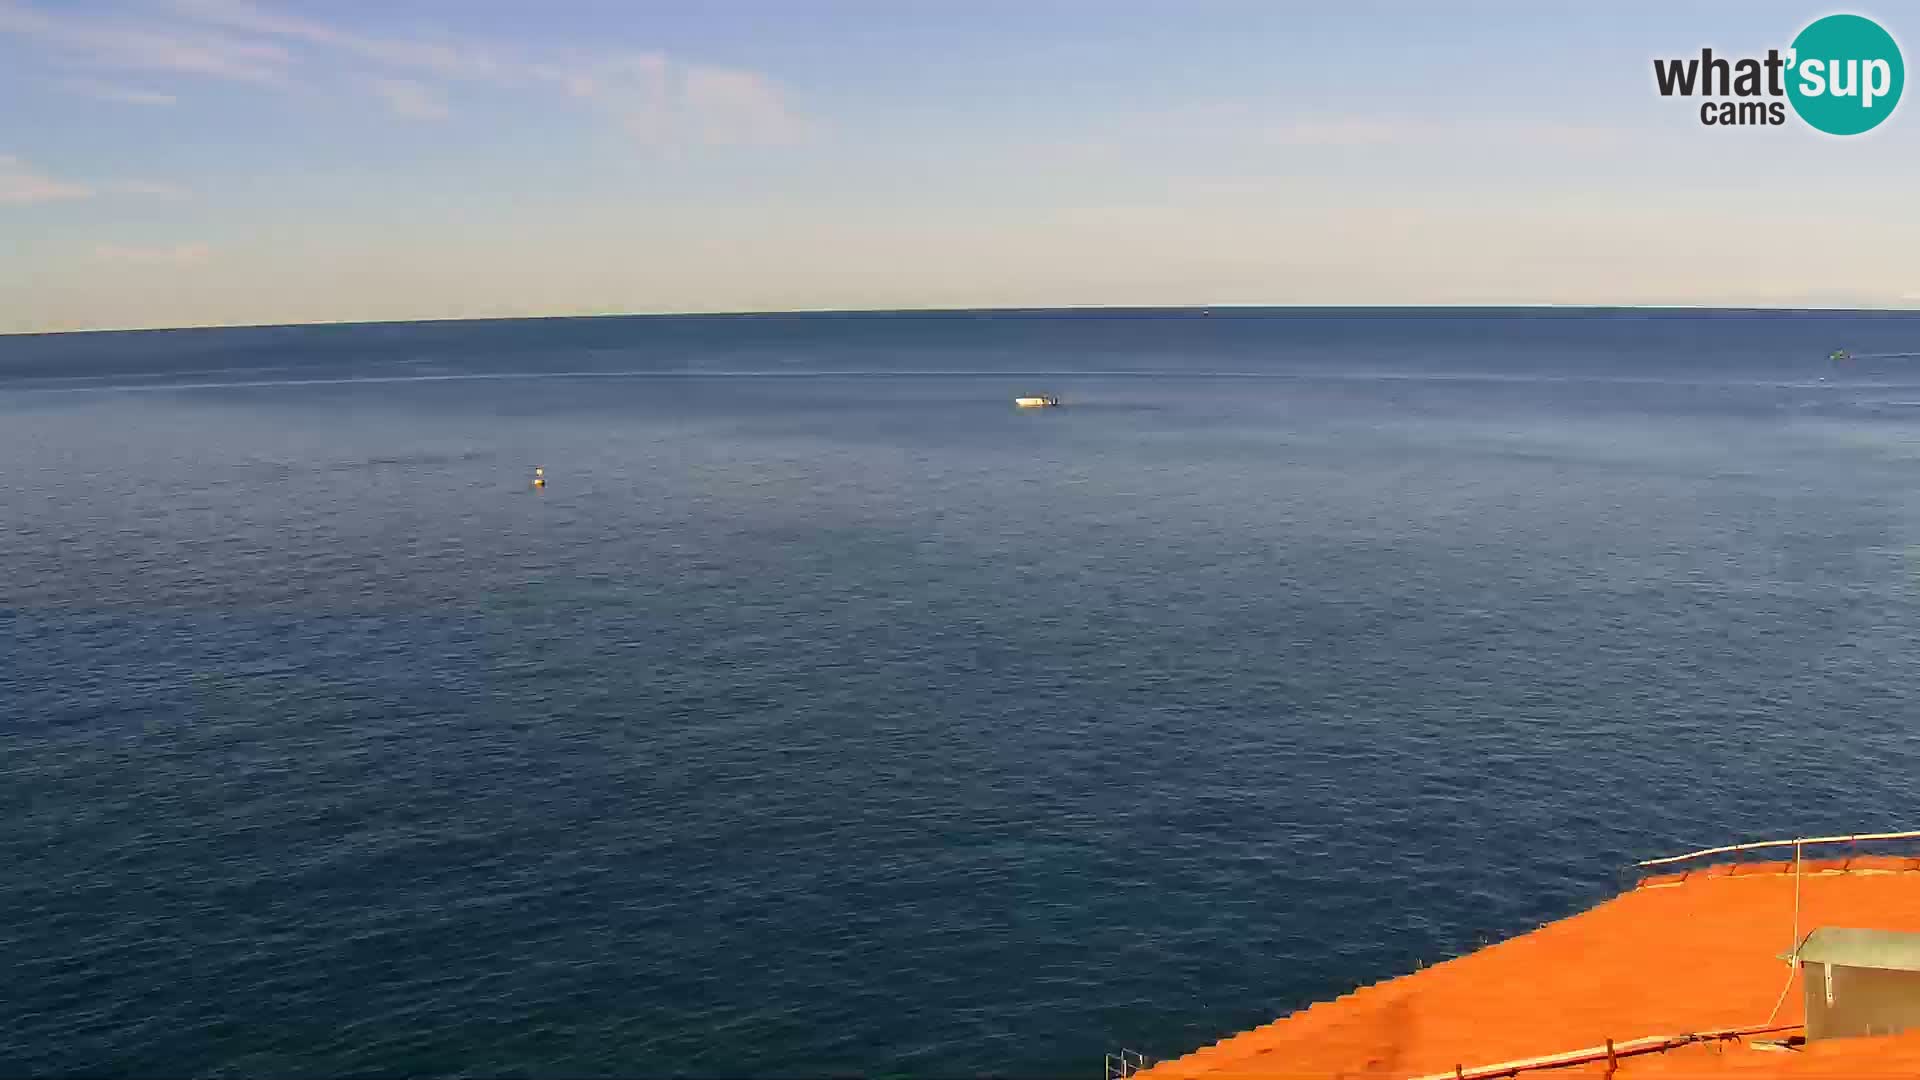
point(1036, 402)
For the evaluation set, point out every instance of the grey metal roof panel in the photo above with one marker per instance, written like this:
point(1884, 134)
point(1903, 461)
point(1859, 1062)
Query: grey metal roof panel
point(1888, 950)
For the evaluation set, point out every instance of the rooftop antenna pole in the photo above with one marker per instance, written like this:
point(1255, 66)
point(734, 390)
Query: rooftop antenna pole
point(1796, 898)
point(1793, 953)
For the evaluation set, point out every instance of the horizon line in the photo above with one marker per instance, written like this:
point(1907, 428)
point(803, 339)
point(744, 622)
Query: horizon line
point(937, 310)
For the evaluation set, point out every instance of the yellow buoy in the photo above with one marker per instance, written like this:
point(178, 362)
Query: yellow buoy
point(539, 476)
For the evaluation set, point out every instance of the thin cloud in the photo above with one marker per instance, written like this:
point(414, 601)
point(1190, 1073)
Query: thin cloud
point(410, 99)
point(123, 95)
point(118, 43)
point(252, 18)
point(635, 89)
point(729, 105)
point(176, 255)
point(660, 101)
point(21, 183)
point(1343, 131)
point(248, 17)
point(665, 104)
point(1396, 131)
point(149, 188)
point(1247, 123)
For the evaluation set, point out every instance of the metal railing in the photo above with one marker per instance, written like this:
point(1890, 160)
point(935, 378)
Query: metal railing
point(1611, 1053)
point(1799, 845)
point(1796, 844)
point(1125, 1064)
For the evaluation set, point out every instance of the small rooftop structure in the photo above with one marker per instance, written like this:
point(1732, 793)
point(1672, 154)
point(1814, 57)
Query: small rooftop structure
point(1859, 982)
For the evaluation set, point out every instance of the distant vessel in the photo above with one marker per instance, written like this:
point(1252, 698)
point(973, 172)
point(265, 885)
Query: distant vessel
point(1042, 402)
point(1839, 354)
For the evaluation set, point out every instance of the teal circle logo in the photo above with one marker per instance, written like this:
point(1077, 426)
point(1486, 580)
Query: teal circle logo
point(1845, 75)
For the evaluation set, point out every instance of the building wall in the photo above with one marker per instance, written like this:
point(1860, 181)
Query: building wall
point(1866, 1001)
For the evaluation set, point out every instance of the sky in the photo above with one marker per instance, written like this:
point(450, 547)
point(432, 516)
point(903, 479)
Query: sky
point(198, 162)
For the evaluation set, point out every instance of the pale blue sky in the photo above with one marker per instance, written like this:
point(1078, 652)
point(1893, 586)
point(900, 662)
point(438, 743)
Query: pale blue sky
point(178, 162)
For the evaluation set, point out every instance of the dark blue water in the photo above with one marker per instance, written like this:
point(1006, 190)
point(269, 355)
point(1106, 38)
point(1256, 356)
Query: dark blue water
point(826, 714)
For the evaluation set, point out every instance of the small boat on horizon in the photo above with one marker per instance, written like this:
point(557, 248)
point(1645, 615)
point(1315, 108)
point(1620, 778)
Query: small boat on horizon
point(1038, 402)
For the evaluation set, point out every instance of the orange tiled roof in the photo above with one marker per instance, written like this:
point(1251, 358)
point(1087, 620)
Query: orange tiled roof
point(1682, 953)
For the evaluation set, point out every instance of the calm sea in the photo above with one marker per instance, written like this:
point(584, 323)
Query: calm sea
point(825, 714)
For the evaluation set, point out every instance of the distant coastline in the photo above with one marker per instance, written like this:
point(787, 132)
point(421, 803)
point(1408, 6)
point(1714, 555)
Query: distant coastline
point(1189, 310)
